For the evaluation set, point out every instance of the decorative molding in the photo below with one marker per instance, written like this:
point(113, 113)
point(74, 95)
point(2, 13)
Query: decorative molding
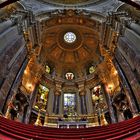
point(102, 7)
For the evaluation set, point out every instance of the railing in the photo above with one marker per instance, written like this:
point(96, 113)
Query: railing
point(52, 120)
point(72, 124)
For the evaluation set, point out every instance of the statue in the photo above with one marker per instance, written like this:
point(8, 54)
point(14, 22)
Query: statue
point(126, 111)
point(12, 111)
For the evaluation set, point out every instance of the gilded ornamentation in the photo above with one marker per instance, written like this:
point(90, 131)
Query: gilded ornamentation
point(103, 119)
point(46, 119)
point(38, 121)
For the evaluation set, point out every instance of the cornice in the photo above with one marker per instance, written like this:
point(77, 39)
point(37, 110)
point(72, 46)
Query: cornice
point(86, 80)
point(102, 6)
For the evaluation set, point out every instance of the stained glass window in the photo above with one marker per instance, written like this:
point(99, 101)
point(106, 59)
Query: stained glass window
point(69, 37)
point(91, 69)
point(69, 75)
point(69, 104)
point(47, 69)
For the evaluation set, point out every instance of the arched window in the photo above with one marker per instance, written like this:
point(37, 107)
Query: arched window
point(91, 69)
point(69, 104)
point(69, 76)
point(47, 69)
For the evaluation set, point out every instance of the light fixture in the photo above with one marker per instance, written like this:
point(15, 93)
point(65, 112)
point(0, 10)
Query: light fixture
point(110, 88)
point(25, 72)
point(115, 72)
point(29, 87)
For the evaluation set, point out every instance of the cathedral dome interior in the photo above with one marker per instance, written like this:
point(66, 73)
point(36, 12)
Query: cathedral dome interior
point(69, 63)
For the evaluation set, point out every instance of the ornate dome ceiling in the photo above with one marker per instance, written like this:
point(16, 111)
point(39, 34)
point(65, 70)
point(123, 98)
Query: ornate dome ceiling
point(70, 43)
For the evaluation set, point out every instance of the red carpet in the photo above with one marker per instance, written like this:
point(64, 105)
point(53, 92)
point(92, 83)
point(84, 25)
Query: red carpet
point(126, 130)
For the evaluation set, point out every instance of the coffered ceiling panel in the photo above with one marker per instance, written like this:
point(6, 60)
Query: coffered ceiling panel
point(69, 58)
point(55, 53)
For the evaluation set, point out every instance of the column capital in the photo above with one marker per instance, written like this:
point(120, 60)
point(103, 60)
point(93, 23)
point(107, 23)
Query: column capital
point(57, 92)
point(58, 89)
point(81, 87)
point(82, 93)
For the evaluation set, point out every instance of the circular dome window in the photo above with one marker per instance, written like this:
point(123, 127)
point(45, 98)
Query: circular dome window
point(69, 37)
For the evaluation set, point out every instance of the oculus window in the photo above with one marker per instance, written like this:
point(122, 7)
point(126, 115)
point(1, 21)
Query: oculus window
point(69, 37)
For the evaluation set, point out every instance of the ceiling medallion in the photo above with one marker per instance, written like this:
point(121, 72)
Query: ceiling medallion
point(69, 37)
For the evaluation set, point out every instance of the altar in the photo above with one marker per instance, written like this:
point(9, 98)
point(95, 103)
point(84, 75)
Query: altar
point(72, 124)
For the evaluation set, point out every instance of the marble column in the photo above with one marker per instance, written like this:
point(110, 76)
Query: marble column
point(130, 76)
point(111, 110)
point(29, 108)
point(127, 90)
point(50, 101)
point(83, 102)
point(13, 78)
point(56, 102)
point(5, 25)
point(61, 105)
point(109, 103)
point(78, 104)
point(16, 83)
point(89, 102)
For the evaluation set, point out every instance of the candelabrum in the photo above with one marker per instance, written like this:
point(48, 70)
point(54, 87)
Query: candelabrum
point(100, 105)
point(40, 107)
point(46, 119)
point(38, 121)
point(96, 122)
point(103, 119)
